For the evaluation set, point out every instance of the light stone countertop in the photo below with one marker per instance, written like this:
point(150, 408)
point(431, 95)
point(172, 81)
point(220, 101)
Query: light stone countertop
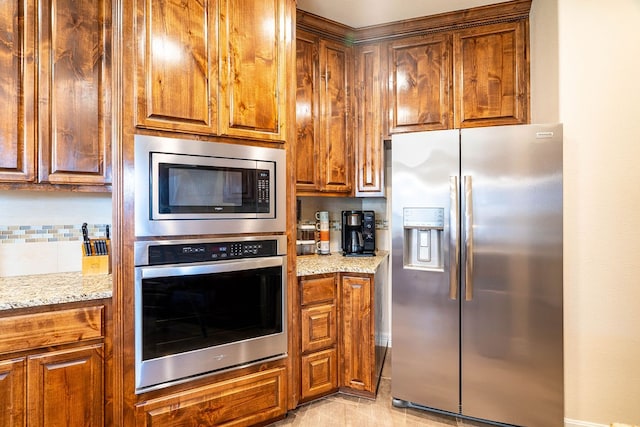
point(307, 265)
point(45, 289)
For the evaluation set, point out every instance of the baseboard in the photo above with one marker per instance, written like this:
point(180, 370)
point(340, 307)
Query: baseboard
point(577, 423)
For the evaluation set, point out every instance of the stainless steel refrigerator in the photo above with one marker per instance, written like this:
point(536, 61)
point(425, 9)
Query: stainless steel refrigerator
point(477, 273)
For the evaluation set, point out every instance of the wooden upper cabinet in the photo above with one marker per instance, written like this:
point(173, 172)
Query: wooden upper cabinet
point(324, 117)
point(253, 73)
point(491, 71)
point(307, 115)
point(213, 67)
point(336, 121)
point(74, 91)
point(17, 91)
point(420, 83)
point(369, 145)
point(177, 63)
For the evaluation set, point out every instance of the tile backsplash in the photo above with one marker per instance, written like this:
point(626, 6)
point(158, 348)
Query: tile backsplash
point(16, 234)
point(40, 232)
point(42, 249)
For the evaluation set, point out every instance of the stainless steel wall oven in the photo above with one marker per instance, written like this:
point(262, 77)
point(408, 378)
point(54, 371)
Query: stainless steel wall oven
point(205, 305)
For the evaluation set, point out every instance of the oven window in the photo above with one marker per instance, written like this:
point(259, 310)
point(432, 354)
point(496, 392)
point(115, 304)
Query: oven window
point(184, 313)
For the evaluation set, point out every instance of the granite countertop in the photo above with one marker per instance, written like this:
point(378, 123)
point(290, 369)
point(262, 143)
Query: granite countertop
point(44, 289)
point(337, 263)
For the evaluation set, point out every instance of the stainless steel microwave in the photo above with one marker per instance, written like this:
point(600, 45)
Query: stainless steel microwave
point(188, 187)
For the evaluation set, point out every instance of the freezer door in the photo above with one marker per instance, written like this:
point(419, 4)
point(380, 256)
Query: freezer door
point(512, 369)
point(425, 319)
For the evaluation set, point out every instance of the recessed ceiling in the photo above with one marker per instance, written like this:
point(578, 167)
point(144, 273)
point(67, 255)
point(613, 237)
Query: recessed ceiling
point(363, 13)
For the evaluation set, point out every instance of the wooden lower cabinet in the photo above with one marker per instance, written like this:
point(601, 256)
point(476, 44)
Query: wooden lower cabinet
point(319, 373)
point(52, 367)
point(12, 392)
point(66, 388)
point(357, 339)
point(247, 400)
point(318, 336)
point(337, 342)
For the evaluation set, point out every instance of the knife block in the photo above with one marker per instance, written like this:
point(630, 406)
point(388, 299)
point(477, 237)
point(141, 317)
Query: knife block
point(95, 264)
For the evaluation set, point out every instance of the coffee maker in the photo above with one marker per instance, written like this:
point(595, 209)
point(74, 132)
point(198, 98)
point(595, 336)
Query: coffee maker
point(358, 233)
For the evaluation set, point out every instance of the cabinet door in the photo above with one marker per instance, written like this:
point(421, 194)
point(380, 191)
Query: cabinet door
point(74, 91)
point(17, 91)
point(420, 83)
point(357, 333)
point(336, 124)
point(369, 144)
point(253, 41)
point(318, 327)
point(12, 393)
point(491, 75)
point(319, 373)
point(307, 136)
point(248, 400)
point(65, 388)
point(177, 66)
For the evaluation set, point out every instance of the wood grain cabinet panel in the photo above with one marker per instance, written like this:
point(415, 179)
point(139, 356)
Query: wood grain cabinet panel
point(420, 83)
point(317, 289)
point(66, 388)
point(318, 336)
point(369, 145)
point(12, 392)
point(307, 113)
point(248, 400)
point(177, 66)
point(74, 91)
point(491, 75)
point(319, 373)
point(319, 325)
point(53, 367)
point(253, 72)
point(324, 121)
point(17, 91)
point(357, 338)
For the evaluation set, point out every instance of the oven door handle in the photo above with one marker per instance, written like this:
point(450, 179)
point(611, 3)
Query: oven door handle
point(151, 272)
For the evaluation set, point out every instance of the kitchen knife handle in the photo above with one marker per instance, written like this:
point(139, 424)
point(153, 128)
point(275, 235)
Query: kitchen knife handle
point(454, 237)
point(468, 237)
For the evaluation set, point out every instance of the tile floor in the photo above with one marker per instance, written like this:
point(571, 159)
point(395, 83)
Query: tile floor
point(340, 410)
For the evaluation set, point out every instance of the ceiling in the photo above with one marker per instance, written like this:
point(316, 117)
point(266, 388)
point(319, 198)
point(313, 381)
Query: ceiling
point(363, 13)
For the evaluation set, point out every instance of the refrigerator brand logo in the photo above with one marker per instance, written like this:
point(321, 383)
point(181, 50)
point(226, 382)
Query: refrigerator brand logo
point(541, 135)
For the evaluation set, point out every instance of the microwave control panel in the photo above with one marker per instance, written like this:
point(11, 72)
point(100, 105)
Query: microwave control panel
point(205, 252)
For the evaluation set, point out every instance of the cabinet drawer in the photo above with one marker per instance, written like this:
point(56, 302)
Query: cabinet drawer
point(319, 373)
point(317, 290)
point(52, 328)
point(318, 327)
point(247, 400)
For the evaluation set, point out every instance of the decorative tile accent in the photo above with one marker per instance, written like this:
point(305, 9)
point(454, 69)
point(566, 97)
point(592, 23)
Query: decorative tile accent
point(18, 234)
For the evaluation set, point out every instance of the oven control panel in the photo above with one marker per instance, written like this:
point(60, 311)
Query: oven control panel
point(209, 251)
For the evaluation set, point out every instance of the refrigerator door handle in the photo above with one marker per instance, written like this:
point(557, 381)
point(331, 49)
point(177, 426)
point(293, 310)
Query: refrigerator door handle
point(468, 237)
point(454, 237)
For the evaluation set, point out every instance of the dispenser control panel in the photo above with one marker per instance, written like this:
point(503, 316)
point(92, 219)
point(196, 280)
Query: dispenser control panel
point(424, 217)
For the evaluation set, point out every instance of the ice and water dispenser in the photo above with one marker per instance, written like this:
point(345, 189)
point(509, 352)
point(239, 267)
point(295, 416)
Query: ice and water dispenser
point(423, 238)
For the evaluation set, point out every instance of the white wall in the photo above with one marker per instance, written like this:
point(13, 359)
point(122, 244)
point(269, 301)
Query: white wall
point(586, 69)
